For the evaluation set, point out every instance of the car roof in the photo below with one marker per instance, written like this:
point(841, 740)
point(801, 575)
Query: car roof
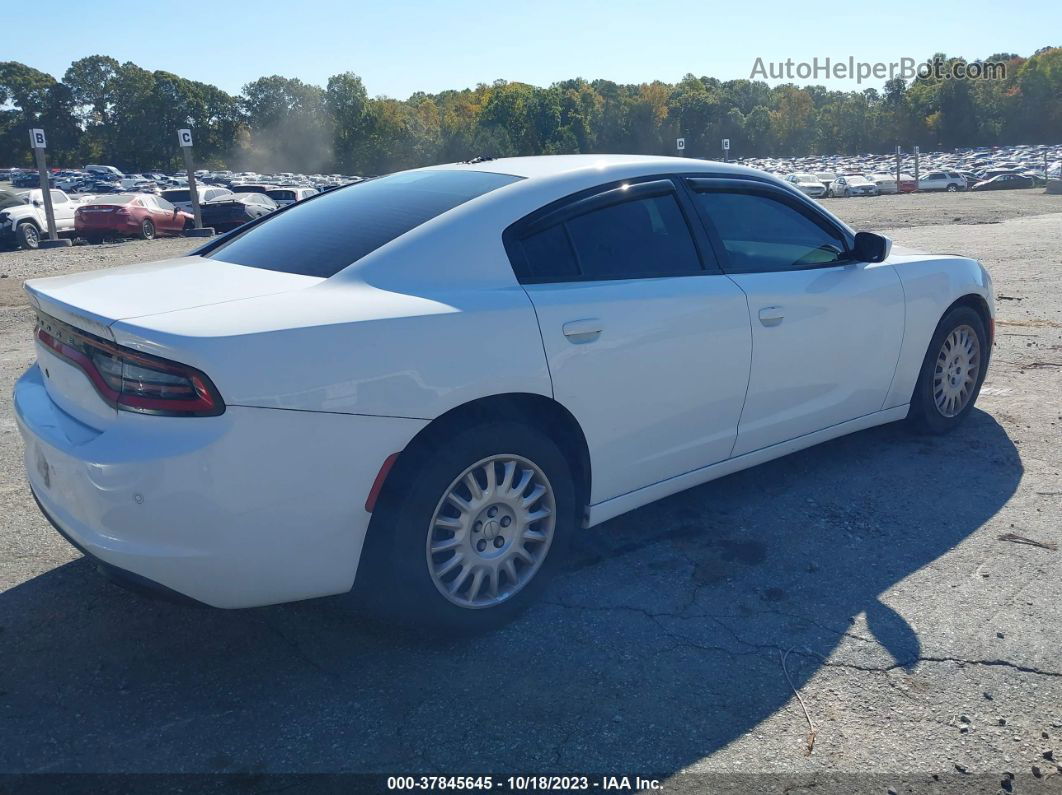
point(557, 165)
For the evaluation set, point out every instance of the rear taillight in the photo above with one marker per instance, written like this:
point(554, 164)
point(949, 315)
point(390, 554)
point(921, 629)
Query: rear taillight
point(130, 380)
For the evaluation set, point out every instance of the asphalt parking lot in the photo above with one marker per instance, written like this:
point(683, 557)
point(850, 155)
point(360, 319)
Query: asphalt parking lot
point(920, 642)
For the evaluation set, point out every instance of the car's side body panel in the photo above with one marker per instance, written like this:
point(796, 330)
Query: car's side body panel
point(356, 349)
point(828, 353)
point(658, 392)
point(931, 284)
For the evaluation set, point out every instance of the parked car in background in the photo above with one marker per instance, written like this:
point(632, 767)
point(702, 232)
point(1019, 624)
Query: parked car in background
point(251, 187)
point(847, 185)
point(107, 172)
point(826, 178)
point(232, 211)
point(1005, 182)
point(284, 196)
point(886, 183)
point(1053, 177)
point(908, 184)
point(26, 223)
point(130, 215)
point(26, 179)
point(808, 184)
point(942, 180)
point(182, 197)
point(429, 461)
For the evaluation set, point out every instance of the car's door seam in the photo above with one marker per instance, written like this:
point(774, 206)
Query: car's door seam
point(752, 353)
point(542, 340)
point(903, 336)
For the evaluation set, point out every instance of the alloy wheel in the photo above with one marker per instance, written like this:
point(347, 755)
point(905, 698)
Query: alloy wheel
point(491, 531)
point(956, 370)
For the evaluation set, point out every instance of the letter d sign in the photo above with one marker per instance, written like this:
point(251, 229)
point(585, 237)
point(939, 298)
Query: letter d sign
point(37, 139)
point(185, 137)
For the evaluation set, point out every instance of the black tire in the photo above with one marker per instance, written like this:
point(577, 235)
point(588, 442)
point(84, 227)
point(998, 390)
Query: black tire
point(924, 415)
point(952, 188)
point(394, 581)
point(28, 236)
point(147, 230)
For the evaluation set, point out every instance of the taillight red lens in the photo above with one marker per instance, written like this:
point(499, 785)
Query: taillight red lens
point(130, 380)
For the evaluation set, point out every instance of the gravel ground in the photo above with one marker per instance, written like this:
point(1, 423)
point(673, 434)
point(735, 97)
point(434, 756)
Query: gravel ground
point(920, 642)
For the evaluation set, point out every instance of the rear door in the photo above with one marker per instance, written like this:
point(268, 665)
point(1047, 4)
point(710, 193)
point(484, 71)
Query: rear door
point(648, 343)
point(826, 328)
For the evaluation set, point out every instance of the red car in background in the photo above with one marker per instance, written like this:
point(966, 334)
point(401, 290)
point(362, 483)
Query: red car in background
point(129, 215)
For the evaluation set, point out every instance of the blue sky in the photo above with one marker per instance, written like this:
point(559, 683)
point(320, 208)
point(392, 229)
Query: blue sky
point(401, 47)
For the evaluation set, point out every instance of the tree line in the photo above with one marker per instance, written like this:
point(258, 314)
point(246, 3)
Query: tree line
point(103, 111)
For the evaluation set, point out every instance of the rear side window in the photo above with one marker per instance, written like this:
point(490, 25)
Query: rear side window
point(325, 235)
point(641, 238)
point(761, 234)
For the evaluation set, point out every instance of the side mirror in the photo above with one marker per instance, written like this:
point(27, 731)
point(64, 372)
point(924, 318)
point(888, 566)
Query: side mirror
point(870, 247)
point(36, 202)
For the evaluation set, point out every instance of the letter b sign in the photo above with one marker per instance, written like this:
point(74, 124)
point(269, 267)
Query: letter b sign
point(37, 139)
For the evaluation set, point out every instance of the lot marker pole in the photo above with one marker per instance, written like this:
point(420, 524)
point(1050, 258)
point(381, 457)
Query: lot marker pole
point(184, 137)
point(898, 169)
point(39, 144)
point(916, 166)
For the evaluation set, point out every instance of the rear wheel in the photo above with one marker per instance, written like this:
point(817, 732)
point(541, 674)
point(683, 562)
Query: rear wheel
point(952, 372)
point(475, 525)
point(952, 188)
point(147, 229)
point(29, 236)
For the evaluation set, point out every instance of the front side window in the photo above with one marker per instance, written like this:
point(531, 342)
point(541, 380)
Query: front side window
point(640, 238)
point(323, 236)
point(763, 234)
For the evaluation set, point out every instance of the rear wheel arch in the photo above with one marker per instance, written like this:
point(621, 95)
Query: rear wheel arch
point(537, 411)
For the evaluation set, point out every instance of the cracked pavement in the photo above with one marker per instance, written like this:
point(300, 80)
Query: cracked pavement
point(919, 641)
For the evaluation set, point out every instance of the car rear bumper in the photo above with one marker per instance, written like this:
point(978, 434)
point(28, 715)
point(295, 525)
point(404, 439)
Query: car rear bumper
point(253, 507)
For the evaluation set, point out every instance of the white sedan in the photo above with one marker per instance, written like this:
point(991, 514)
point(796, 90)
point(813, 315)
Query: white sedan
point(422, 385)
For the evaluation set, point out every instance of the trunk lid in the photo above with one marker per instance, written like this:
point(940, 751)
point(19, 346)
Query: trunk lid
point(92, 302)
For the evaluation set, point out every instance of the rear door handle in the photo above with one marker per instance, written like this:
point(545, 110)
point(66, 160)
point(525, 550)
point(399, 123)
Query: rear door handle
point(771, 315)
point(580, 331)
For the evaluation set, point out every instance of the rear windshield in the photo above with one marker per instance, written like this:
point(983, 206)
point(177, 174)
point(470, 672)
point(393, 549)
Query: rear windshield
point(281, 195)
point(177, 195)
point(118, 198)
point(321, 236)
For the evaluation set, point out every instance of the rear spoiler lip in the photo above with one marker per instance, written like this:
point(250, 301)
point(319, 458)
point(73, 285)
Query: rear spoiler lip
point(74, 316)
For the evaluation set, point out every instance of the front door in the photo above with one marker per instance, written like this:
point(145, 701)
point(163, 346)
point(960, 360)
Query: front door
point(826, 329)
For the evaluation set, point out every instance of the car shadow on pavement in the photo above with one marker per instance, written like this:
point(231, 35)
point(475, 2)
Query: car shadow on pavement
point(659, 644)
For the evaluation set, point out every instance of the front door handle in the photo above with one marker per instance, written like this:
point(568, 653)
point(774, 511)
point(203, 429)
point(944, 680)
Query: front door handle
point(580, 331)
point(771, 315)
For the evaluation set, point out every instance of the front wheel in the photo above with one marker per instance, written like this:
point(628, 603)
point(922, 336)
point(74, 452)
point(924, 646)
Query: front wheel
point(952, 188)
point(952, 372)
point(29, 237)
point(147, 230)
point(475, 524)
